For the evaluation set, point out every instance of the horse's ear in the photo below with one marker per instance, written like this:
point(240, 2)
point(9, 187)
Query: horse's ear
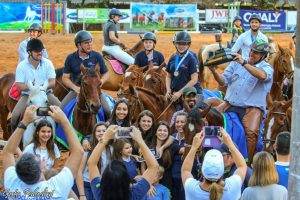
point(97, 68)
point(82, 68)
point(269, 101)
point(140, 36)
point(287, 105)
point(205, 111)
point(281, 49)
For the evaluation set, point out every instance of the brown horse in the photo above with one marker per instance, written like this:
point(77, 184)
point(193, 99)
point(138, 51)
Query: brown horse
point(114, 81)
point(88, 101)
point(155, 80)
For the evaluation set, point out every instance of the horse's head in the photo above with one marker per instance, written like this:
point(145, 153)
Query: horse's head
point(134, 76)
point(155, 79)
point(137, 47)
point(38, 94)
point(89, 97)
point(279, 111)
point(134, 102)
point(284, 63)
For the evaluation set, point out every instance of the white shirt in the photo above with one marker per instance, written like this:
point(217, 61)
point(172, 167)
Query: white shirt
point(57, 187)
point(43, 154)
point(23, 54)
point(26, 72)
point(232, 189)
point(244, 42)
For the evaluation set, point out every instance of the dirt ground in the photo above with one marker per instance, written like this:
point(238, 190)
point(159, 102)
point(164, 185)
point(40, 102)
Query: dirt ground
point(59, 46)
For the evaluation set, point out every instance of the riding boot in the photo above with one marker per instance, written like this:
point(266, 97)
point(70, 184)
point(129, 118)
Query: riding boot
point(251, 122)
point(105, 105)
point(18, 111)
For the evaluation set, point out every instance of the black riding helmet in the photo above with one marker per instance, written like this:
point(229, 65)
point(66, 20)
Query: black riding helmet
point(35, 45)
point(255, 16)
point(260, 46)
point(149, 36)
point(35, 27)
point(182, 36)
point(82, 36)
point(114, 11)
point(237, 18)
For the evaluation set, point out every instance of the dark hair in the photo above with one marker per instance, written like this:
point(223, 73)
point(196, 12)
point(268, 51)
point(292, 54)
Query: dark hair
point(94, 142)
point(28, 168)
point(166, 158)
point(148, 135)
point(115, 182)
point(127, 119)
point(50, 142)
point(118, 147)
point(283, 143)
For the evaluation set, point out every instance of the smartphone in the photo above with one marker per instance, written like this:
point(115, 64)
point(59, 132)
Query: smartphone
point(42, 111)
point(212, 130)
point(124, 132)
point(154, 153)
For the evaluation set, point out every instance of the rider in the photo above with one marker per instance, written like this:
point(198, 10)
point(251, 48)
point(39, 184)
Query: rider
point(89, 58)
point(149, 54)
point(112, 43)
point(246, 39)
point(182, 68)
point(237, 29)
point(248, 83)
point(35, 31)
point(37, 69)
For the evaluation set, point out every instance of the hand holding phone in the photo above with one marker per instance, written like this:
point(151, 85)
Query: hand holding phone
point(42, 111)
point(212, 136)
point(124, 132)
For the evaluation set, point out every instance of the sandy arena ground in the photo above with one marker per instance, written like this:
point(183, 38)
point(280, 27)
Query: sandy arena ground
point(59, 46)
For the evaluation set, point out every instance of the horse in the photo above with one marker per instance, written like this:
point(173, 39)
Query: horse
point(155, 80)
point(161, 18)
point(31, 14)
point(38, 97)
point(142, 18)
point(113, 83)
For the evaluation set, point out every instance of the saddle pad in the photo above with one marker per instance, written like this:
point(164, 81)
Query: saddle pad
point(212, 93)
point(117, 66)
point(14, 92)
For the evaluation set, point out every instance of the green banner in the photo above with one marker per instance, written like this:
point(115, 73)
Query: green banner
point(93, 15)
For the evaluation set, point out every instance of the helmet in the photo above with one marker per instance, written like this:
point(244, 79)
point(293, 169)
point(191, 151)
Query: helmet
point(114, 11)
point(260, 46)
point(35, 45)
point(149, 36)
point(82, 36)
point(237, 18)
point(255, 16)
point(182, 36)
point(35, 27)
point(294, 35)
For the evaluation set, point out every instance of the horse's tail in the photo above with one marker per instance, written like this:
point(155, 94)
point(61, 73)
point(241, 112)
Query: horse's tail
point(201, 65)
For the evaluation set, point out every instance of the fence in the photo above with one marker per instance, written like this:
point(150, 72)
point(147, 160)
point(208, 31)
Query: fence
point(53, 17)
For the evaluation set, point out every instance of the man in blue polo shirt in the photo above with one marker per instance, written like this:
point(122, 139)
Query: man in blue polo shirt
point(143, 58)
point(89, 58)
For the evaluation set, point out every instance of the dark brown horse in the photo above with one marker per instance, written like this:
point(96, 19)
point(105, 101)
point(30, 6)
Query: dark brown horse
point(88, 101)
point(114, 81)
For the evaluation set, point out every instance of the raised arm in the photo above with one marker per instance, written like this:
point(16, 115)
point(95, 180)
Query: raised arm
point(218, 77)
point(76, 151)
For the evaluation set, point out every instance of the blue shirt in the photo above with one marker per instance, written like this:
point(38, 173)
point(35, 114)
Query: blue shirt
point(137, 192)
point(131, 167)
point(247, 177)
point(141, 59)
point(283, 173)
point(162, 193)
point(245, 90)
point(188, 67)
point(73, 61)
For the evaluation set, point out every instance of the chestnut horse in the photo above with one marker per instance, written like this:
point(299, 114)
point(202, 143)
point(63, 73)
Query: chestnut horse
point(114, 81)
point(155, 80)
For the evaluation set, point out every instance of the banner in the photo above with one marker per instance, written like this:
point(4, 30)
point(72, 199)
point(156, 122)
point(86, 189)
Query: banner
point(18, 16)
point(271, 20)
point(71, 15)
point(218, 16)
point(163, 16)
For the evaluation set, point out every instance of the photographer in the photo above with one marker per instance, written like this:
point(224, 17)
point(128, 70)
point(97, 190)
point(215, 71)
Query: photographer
point(115, 181)
point(25, 176)
point(212, 186)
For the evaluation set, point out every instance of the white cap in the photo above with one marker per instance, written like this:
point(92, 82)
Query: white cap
point(213, 165)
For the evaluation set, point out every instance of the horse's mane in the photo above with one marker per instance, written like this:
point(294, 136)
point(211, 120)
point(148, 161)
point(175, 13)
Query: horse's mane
point(149, 92)
point(59, 72)
point(136, 46)
point(284, 52)
point(160, 98)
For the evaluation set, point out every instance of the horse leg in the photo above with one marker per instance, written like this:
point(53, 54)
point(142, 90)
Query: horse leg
point(4, 113)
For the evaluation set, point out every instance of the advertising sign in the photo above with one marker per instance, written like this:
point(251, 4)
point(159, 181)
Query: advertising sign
point(18, 16)
point(71, 15)
point(271, 20)
point(163, 16)
point(218, 16)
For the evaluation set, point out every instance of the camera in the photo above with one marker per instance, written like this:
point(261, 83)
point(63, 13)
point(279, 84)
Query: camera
point(124, 132)
point(212, 130)
point(42, 111)
point(211, 134)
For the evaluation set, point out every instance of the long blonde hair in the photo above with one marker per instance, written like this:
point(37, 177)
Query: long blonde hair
point(264, 170)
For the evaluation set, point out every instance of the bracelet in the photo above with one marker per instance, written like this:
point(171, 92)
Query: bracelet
point(244, 62)
point(187, 145)
point(103, 141)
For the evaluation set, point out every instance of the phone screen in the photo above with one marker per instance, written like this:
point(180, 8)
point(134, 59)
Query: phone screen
point(212, 130)
point(42, 111)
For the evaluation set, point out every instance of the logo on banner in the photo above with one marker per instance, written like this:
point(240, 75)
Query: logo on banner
point(266, 17)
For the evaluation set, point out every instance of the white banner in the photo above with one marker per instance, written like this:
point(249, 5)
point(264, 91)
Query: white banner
point(71, 15)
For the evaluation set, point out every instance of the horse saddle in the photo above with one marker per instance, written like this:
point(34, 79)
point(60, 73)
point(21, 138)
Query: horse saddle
point(14, 92)
point(117, 66)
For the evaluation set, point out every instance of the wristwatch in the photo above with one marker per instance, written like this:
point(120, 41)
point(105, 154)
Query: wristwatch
point(22, 126)
point(244, 62)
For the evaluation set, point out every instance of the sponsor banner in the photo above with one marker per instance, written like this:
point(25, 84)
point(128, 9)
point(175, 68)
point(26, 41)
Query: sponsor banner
point(71, 15)
point(18, 16)
point(163, 16)
point(271, 20)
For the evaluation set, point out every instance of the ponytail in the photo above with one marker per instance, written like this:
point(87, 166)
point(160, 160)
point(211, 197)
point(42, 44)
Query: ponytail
point(216, 191)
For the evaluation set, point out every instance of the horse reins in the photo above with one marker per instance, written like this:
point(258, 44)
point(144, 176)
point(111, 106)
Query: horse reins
point(163, 112)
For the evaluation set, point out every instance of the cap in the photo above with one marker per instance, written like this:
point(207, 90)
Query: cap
point(213, 165)
point(224, 149)
point(188, 90)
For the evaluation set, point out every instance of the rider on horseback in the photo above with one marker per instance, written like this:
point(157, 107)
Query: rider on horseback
point(246, 39)
point(112, 43)
point(35, 31)
point(89, 58)
point(37, 69)
point(248, 83)
point(237, 29)
point(182, 68)
point(149, 54)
